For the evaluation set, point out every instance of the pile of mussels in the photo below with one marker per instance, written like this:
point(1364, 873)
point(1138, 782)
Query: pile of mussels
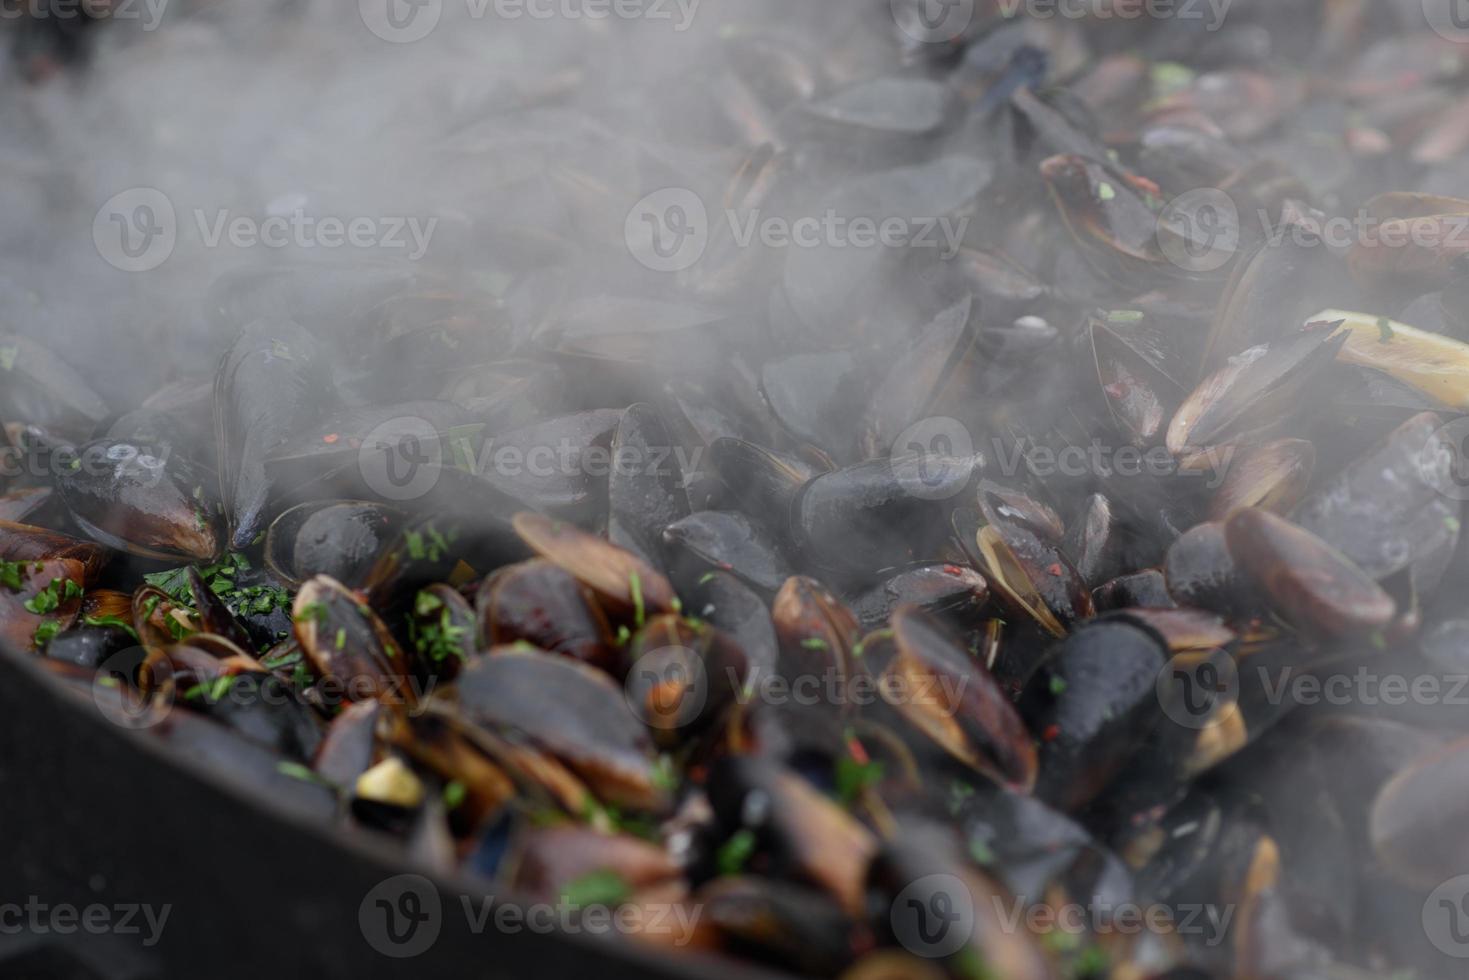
point(840, 652)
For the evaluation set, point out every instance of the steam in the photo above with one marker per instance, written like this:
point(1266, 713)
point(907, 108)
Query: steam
point(291, 132)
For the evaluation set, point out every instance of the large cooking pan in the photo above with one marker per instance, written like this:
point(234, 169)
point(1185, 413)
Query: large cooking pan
point(94, 814)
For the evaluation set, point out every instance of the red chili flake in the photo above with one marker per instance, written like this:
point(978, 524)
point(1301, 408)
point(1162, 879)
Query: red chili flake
point(330, 439)
point(953, 570)
point(1054, 568)
point(1051, 733)
point(859, 754)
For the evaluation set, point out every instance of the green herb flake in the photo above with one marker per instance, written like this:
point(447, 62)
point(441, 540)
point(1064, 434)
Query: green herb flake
point(735, 853)
point(1385, 330)
point(1106, 192)
point(854, 777)
point(454, 794)
point(341, 639)
point(605, 887)
point(1058, 684)
point(46, 631)
point(814, 643)
point(635, 586)
point(110, 621)
point(8, 354)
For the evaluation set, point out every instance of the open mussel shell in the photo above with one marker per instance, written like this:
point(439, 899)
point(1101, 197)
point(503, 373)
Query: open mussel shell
point(933, 682)
point(817, 634)
point(920, 870)
point(576, 712)
point(26, 542)
point(443, 630)
point(1139, 395)
point(682, 676)
point(800, 832)
point(1273, 476)
point(1027, 573)
point(1253, 393)
point(340, 538)
point(544, 605)
point(346, 643)
point(144, 500)
point(624, 583)
point(38, 599)
point(1430, 363)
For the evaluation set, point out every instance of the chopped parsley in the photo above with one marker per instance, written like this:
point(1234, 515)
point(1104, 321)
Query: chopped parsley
point(854, 777)
point(53, 596)
point(454, 794)
point(735, 853)
point(436, 637)
point(605, 887)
